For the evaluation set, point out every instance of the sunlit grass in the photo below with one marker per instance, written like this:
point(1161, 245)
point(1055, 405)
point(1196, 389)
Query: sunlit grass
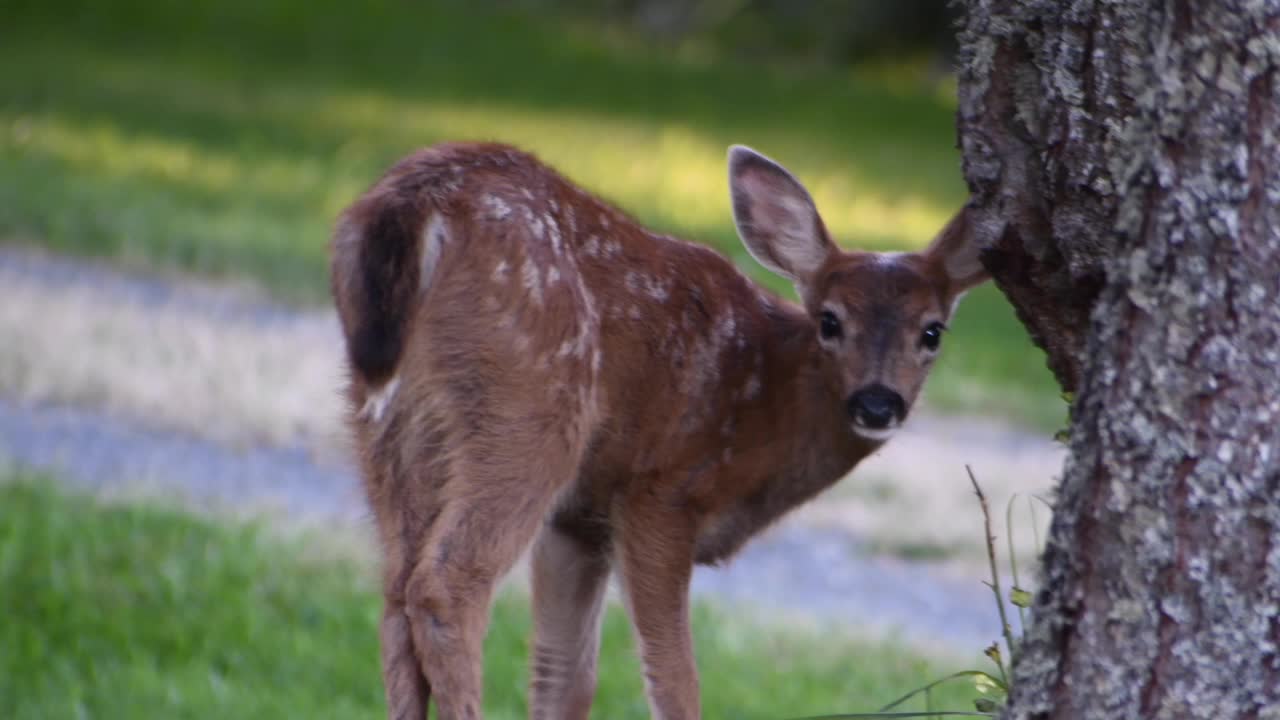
point(125, 612)
point(673, 175)
point(224, 137)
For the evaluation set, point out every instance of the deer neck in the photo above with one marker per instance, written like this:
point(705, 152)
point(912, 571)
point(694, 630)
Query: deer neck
point(797, 440)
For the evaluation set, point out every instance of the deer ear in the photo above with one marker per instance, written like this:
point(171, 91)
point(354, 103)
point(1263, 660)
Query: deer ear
point(776, 218)
point(956, 252)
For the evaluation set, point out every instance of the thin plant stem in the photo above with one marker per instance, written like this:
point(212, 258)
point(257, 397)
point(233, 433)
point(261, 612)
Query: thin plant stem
point(995, 575)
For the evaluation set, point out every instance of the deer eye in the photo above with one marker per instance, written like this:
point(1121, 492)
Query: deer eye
point(829, 325)
point(931, 338)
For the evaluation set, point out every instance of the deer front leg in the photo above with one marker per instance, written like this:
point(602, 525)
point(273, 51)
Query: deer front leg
point(655, 561)
point(569, 580)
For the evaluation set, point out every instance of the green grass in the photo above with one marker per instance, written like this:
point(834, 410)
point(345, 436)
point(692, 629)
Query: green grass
point(129, 611)
point(223, 137)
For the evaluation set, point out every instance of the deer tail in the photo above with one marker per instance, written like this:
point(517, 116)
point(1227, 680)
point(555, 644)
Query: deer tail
point(376, 277)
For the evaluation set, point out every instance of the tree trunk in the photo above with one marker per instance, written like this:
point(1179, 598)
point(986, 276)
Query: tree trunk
point(1124, 166)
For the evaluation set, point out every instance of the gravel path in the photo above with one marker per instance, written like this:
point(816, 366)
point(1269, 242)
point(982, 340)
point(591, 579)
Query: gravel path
point(807, 573)
point(110, 431)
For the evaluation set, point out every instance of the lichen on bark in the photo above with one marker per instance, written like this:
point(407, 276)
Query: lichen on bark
point(1124, 166)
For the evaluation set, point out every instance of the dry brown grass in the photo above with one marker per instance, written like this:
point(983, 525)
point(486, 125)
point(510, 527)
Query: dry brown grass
point(216, 375)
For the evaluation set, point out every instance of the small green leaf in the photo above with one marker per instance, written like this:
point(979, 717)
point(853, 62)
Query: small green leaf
point(1020, 597)
point(986, 705)
point(1063, 436)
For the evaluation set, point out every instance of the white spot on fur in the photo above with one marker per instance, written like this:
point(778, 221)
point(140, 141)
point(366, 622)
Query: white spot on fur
point(612, 248)
point(588, 299)
point(433, 239)
point(632, 280)
point(888, 259)
point(497, 207)
point(727, 326)
point(376, 402)
point(597, 359)
point(501, 271)
point(532, 282)
point(654, 288)
point(553, 276)
point(557, 242)
point(592, 246)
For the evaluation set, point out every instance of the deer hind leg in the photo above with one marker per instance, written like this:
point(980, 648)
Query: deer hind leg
point(495, 500)
point(400, 499)
point(570, 573)
point(407, 691)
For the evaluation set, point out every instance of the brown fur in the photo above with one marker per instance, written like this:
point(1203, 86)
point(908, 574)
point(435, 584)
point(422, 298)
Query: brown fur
point(530, 366)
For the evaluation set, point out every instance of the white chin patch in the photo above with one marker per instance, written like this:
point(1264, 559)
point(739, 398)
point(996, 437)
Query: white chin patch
point(880, 434)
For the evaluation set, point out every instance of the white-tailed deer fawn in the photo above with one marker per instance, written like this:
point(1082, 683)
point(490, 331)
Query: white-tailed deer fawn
point(529, 365)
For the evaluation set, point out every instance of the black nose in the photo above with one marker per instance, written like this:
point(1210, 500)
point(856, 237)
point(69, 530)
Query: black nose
point(876, 407)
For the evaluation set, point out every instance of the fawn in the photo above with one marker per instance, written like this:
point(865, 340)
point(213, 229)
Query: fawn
point(531, 366)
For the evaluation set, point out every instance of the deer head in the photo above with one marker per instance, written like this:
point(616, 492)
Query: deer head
point(879, 318)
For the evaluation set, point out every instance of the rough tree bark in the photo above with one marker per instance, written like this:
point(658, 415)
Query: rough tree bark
point(1124, 166)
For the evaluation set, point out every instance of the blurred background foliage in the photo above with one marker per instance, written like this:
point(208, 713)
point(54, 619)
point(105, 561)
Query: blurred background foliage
point(223, 137)
point(829, 31)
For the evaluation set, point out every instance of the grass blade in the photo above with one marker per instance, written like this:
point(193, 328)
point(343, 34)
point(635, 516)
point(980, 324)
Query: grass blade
point(940, 681)
point(1013, 564)
point(1035, 527)
point(873, 715)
